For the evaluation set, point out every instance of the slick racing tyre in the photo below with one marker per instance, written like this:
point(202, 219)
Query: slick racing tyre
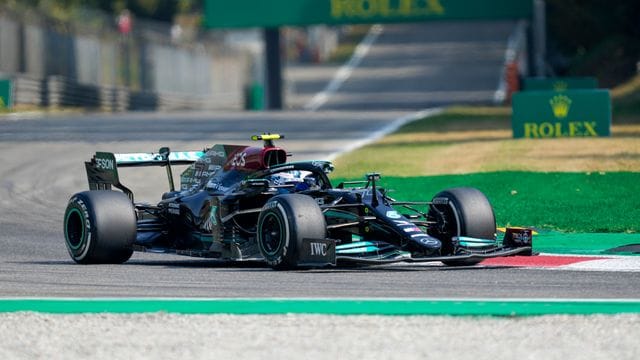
point(283, 222)
point(100, 227)
point(461, 211)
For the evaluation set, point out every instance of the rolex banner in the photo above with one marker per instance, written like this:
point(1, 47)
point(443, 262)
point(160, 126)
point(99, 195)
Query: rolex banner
point(273, 13)
point(572, 113)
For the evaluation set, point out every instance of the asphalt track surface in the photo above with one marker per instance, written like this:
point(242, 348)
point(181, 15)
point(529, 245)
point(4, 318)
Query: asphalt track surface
point(42, 165)
point(408, 67)
point(417, 66)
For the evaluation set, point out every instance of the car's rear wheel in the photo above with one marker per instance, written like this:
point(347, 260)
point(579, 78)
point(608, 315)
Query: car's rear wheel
point(461, 211)
point(283, 222)
point(100, 227)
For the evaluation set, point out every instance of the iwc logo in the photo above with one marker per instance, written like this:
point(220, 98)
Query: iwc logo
point(560, 105)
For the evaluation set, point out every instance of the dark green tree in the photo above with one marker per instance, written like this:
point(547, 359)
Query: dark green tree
point(594, 37)
point(161, 10)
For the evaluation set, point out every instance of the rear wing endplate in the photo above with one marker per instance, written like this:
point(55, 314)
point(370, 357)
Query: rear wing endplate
point(102, 169)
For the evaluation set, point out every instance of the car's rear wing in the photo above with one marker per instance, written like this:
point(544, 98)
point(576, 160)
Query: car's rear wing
point(102, 169)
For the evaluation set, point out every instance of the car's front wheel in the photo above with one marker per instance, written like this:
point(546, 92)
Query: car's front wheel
point(462, 211)
point(283, 222)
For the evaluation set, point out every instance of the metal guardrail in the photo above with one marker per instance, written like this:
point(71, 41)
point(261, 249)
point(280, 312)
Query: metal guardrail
point(29, 90)
point(81, 63)
point(57, 91)
point(86, 62)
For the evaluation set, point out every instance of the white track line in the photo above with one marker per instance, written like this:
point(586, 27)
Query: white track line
point(342, 75)
point(345, 70)
point(391, 127)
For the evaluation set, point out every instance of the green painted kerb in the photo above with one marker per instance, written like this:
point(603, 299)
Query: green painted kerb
point(324, 306)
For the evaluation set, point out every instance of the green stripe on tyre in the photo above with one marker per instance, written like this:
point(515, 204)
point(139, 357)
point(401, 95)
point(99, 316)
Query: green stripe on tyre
point(66, 234)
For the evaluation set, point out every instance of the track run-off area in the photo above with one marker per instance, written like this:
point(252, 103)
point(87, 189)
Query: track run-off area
point(43, 165)
point(159, 306)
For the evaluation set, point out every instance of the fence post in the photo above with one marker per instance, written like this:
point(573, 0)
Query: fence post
point(55, 90)
point(6, 96)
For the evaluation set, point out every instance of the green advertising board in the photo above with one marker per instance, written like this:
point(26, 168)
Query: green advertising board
point(560, 84)
point(571, 113)
point(5, 94)
point(274, 13)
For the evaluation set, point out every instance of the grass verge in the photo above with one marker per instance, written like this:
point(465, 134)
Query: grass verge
point(470, 140)
point(570, 202)
point(565, 184)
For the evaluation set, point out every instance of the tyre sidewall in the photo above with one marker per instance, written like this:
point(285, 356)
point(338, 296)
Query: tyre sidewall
point(472, 212)
point(474, 217)
point(298, 217)
point(107, 227)
point(78, 210)
point(284, 254)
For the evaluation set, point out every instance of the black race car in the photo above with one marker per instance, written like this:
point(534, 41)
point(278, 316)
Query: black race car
point(240, 203)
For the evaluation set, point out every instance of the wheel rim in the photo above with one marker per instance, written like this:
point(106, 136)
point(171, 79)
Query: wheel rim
point(445, 222)
point(74, 229)
point(271, 234)
point(445, 227)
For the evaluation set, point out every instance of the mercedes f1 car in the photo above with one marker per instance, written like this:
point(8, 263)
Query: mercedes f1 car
point(240, 203)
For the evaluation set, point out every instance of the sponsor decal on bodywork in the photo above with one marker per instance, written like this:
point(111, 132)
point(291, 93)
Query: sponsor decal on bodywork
point(174, 208)
point(317, 252)
point(411, 229)
point(318, 249)
point(105, 164)
point(149, 157)
point(211, 219)
point(440, 201)
point(392, 214)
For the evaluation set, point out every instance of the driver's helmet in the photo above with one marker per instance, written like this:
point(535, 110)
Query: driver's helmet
point(285, 178)
point(301, 180)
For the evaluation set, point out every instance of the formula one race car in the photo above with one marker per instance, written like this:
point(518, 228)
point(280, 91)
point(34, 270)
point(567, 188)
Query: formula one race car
point(242, 203)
